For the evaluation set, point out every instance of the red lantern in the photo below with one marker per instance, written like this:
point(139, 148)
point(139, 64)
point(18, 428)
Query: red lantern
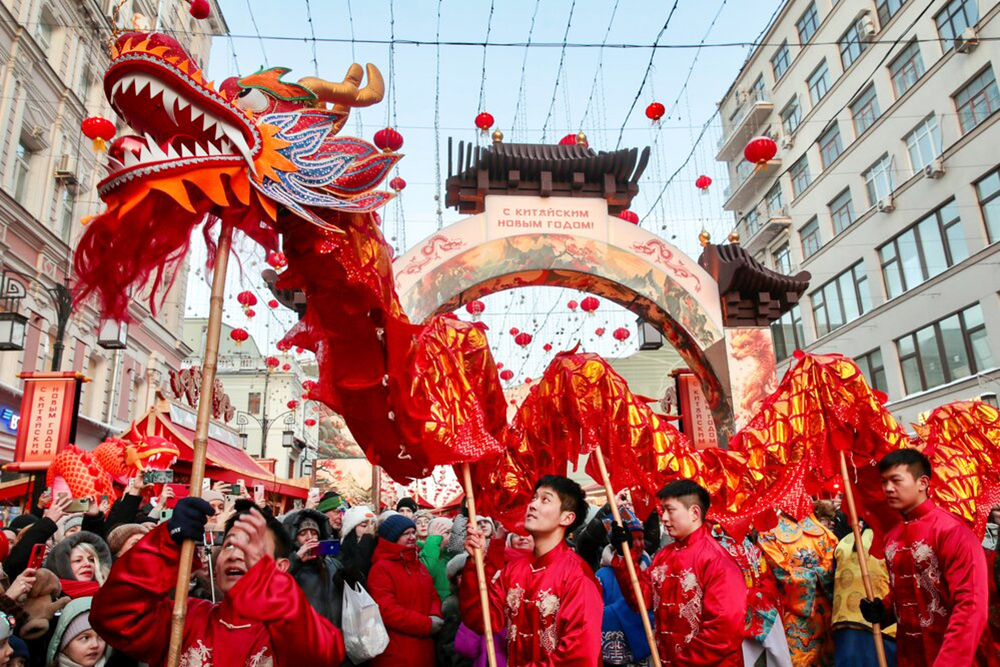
point(310, 422)
point(305, 395)
point(484, 122)
point(199, 9)
point(600, 331)
point(702, 183)
point(239, 335)
point(283, 346)
point(523, 339)
point(388, 140)
point(298, 350)
point(506, 376)
point(514, 331)
point(277, 260)
point(251, 312)
point(475, 308)
point(286, 367)
point(308, 385)
point(547, 347)
point(655, 111)
point(621, 334)
point(292, 404)
point(528, 380)
point(99, 130)
point(246, 299)
point(572, 305)
point(272, 362)
point(590, 304)
point(760, 151)
point(397, 184)
point(629, 216)
point(499, 366)
point(273, 303)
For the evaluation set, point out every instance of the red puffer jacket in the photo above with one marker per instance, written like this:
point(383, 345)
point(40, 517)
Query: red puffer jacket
point(406, 598)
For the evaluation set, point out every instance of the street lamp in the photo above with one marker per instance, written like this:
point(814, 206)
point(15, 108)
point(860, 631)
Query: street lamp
point(13, 325)
point(287, 439)
point(265, 424)
point(113, 335)
point(649, 335)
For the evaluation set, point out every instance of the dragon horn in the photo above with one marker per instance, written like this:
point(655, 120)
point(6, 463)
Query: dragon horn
point(348, 93)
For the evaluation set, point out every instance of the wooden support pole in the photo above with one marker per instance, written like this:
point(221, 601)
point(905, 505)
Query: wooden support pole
point(610, 493)
point(484, 598)
point(200, 447)
point(859, 549)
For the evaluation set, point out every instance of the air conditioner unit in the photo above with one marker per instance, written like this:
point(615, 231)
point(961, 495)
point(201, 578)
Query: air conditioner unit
point(66, 170)
point(886, 205)
point(787, 142)
point(866, 28)
point(967, 41)
point(935, 169)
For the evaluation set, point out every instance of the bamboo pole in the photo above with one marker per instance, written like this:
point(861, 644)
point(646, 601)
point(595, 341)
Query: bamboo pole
point(627, 556)
point(859, 549)
point(484, 599)
point(200, 445)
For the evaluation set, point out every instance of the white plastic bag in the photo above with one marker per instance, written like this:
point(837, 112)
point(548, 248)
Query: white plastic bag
point(364, 633)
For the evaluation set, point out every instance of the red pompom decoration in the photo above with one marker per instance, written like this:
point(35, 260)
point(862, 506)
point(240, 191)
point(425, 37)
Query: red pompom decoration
point(199, 9)
point(590, 304)
point(99, 130)
point(397, 184)
point(507, 375)
point(655, 111)
point(547, 347)
point(760, 150)
point(629, 216)
point(621, 334)
point(484, 122)
point(388, 140)
point(523, 339)
point(702, 183)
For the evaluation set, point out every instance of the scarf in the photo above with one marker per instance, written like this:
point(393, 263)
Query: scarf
point(79, 589)
point(63, 661)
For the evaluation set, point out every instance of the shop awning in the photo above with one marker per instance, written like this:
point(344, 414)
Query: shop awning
point(14, 489)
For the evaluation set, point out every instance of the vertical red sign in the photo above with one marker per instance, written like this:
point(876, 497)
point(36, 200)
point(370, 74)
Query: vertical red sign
point(48, 410)
point(696, 416)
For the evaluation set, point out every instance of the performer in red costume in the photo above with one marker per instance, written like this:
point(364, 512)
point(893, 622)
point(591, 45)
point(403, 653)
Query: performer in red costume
point(548, 601)
point(265, 617)
point(937, 575)
point(694, 586)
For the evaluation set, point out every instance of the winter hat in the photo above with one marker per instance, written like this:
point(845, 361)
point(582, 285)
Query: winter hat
point(394, 526)
point(123, 533)
point(211, 494)
point(353, 517)
point(19, 647)
point(4, 545)
point(75, 619)
point(81, 623)
point(73, 522)
point(441, 520)
point(424, 514)
point(455, 566)
point(331, 500)
point(385, 515)
point(409, 503)
point(22, 521)
point(307, 524)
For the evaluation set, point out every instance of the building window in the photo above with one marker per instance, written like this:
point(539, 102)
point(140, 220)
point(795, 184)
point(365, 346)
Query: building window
point(43, 30)
point(851, 45)
point(22, 171)
point(865, 111)
point(947, 350)
point(788, 333)
point(775, 200)
point(779, 61)
point(253, 402)
point(923, 251)
point(906, 69)
point(800, 175)
point(782, 259)
point(842, 211)
point(809, 236)
point(751, 222)
point(808, 23)
point(819, 83)
point(830, 145)
point(879, 180)
point(952, 21)
point(988, 189)
point(842, 300)
point(887, 9)
point(977, 100)
point(791, 116)
point(873, 368)
point(66, 204)
point(923, 143)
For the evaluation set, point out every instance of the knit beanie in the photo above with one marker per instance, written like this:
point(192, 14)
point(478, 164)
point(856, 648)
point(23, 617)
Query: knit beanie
point(331, 500)
point(81, 623)
point(394, 526)
point(22, 521)
point(73, 522)
point(20, 649)
point(121, 534)
point(307, 524)
point(211, 494)
point(353, 517)
point(408, 503)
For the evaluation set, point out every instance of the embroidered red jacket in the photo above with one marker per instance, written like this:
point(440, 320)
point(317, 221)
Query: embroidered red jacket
point(264, 619)
point(551, 607)
point(938, 590)
point(699, 598)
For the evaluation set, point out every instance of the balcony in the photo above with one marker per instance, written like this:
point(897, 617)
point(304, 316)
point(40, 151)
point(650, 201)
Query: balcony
point(757, 234)
point(750, 117)
point(749, 180)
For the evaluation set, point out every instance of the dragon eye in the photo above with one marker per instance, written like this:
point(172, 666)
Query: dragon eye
point(251, 99)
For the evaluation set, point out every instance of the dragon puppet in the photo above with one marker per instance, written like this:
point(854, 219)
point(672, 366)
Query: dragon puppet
point(263, 156)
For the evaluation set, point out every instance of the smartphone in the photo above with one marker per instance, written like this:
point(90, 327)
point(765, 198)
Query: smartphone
point(328, 548)
point(229, 499)
point(206, 484)
point(105, 498)
point(258, 492)
point(165, 515)
point(78, 505)
point(157, 476)
point(213, 538)
point(180, 491)
point(37, 556)
point(235, 490)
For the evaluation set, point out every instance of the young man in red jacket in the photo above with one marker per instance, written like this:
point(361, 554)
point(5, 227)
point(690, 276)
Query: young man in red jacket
point(549, 600)
point(264, 619)
point(938, 593)
point(694, 587)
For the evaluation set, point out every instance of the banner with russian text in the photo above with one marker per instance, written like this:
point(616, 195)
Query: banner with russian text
point(696, 414)
point(48, 417)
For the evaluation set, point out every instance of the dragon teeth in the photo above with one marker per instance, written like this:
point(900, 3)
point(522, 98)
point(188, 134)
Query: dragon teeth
point(236, 138)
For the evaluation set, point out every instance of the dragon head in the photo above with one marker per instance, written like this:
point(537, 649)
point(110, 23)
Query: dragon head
point(246, 153)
